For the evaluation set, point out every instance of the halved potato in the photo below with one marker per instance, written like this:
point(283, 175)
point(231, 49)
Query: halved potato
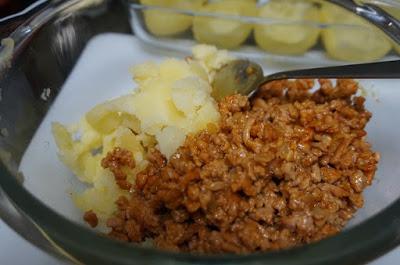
point(294, 37)
point(395, 12)
point(360, 42)
point(224, 33)
point(168, 23)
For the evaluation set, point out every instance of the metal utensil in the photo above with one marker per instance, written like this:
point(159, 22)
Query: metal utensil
point(369, 10)
point(245, 77)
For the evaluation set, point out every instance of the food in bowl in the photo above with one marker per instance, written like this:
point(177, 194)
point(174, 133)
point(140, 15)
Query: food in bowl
point(173, 99)
point(285, 27)
point(223, 32)
point(283, 169)
point(288, 38)
point(348, 43)
point(169, 23)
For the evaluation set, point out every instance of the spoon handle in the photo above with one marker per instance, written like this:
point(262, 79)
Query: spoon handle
point(384, 70)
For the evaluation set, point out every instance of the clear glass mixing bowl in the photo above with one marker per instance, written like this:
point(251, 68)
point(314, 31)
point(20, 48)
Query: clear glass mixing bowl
point(36, 68)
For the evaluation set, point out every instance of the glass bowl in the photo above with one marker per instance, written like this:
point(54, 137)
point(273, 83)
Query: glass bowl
point(69, 55)
point(316, 37)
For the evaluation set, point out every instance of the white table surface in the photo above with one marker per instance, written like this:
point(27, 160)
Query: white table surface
point(14, 250)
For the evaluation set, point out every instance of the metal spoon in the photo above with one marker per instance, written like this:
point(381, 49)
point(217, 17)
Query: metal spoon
point(246, 77)
point(372, 12)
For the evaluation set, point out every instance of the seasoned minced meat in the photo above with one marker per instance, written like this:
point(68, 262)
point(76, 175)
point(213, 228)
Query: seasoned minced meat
point(118, 161)
point(90, 217)
point(283, 170)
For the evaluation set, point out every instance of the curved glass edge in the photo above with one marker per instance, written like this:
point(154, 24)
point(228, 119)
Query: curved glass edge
point(24, 31)
point(360, 244)
point(261, 20)
point(89, 246)
point(46, 12)
point(384, 3)
point(183, 41)
point(34, 16)
point(184, 45)
point(26, 228)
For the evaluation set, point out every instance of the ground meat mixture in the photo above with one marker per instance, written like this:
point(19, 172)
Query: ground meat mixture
point(90, 217)
point(119, 161)
point(283, 170)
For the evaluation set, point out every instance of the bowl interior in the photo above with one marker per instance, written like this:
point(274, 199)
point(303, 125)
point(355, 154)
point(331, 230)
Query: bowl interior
point(88, 62)
point(100, 75)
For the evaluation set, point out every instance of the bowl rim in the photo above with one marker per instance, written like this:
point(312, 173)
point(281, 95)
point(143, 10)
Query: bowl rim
point(358, 244)
point(258, 20)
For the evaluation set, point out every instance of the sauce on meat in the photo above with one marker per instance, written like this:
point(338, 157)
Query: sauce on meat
point(283, 170)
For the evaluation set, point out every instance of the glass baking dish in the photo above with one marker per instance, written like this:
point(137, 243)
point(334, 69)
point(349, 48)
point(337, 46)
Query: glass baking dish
point(40, 65)
point(325, 38)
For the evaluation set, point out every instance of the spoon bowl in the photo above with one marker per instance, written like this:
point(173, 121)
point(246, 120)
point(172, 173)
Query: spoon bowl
point(246, 77)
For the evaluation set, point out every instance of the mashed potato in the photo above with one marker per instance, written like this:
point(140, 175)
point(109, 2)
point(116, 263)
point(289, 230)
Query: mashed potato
point(173, 99)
